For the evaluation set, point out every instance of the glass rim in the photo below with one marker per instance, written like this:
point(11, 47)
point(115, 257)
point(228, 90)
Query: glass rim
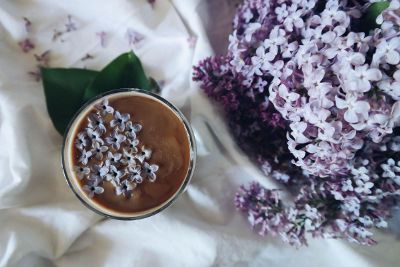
point(171, 200)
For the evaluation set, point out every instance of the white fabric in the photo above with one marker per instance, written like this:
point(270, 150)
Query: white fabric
point(41, 221)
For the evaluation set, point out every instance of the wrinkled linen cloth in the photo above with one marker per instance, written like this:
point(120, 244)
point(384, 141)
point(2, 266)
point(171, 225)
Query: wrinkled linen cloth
point(43, 224)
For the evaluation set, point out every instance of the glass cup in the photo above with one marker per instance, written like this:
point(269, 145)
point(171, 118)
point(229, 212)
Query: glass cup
point(72, 180)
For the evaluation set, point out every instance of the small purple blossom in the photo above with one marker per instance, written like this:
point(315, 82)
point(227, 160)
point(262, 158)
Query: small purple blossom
point(27, 24)
point(102, 38)
point(43, 59)
point(87, 57)
point(26, 45)
point(133, 36)
point(70, 25)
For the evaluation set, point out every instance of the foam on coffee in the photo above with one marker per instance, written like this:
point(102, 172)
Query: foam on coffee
point(160, 129)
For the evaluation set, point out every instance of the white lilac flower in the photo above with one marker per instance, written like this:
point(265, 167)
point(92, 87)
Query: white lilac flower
point(98, 150)
point(128, 158)
point(132, 129)
point(125, 188)
point(280, 176)
point(144, 154)
point(252, 28)
point(390, 169)
point(104, 107)
point(81, 171)
point(394, 144)
point(150, 171)
point(360, 231)
point(332, 13)
point(285, 94)
point(281, 12)
point(96, 123)
point(119, 120)
point(85, 156)
point(276, 38)
point(113, 158)
point(389, 50)
point(259, 60)
point(115, 139)
point(81, 141)
point(293, 19)
point(94, 135)
point(98, 172)
point(134, 174)
point(114, 174)
point(261, 85)
point(356, 110)
point(298, 129)
point(352, 205)
point(363, 187)
point(347, 186)
point(133, 145)
point(360, 173)
point(93, 188)
point(362, 77)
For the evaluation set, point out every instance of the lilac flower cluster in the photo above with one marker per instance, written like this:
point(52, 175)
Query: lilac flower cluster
point(107, 152)
point(303, 84)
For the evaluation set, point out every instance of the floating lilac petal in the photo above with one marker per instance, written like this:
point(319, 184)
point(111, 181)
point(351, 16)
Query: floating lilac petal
point(133, 36)
point(115, 140)
point(98, 150)
point(26, 45)
point(128, 158)
point(82, 172)
point(144, 154)
point(81, 141)
point(104, 108)
point(125, 188)
point(102, 36)
point(119, 120)
point(96, 122)
point(93, 189)
point(85, 156)
point(150, 171)
point(134, 174)
point(132, 129)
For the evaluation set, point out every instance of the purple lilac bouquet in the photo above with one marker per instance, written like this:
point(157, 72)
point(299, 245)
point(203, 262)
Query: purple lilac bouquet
point(314, 97)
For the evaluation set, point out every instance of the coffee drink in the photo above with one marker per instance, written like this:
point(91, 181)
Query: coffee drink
point(128, 154)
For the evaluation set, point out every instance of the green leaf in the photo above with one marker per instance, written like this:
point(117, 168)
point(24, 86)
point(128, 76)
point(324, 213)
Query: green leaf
point(125, 71)
point(154, 87)
point(64, 90)
point(373, 11)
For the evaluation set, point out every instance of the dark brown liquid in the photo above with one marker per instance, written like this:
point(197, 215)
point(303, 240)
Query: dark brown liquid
point(165, 134)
